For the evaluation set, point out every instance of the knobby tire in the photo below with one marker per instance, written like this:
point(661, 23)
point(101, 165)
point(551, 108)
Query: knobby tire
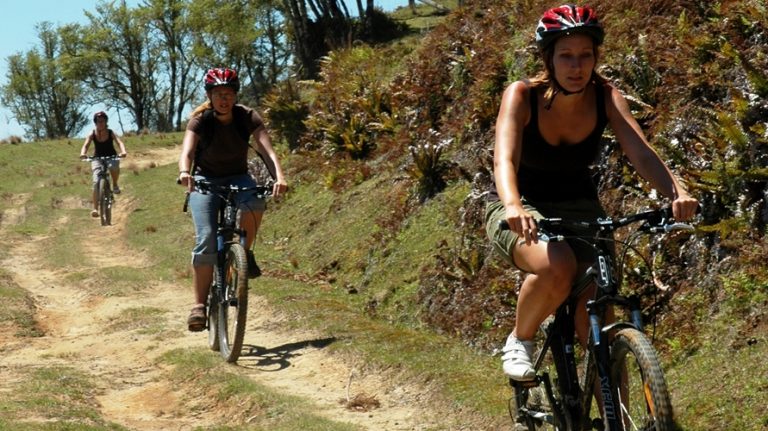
point(105, 210)
point(644, 400)
point(234, 304)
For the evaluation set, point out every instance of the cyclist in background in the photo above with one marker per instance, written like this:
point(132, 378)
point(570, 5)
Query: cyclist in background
point(215, 148)
point(548, 134)
point(103, 139)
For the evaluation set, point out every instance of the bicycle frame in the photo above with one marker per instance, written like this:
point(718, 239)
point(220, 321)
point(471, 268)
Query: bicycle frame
point(571, 410)
point(225, 233)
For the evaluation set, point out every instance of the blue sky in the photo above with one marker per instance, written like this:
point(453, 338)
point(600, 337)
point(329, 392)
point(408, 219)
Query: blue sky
point(18, 34)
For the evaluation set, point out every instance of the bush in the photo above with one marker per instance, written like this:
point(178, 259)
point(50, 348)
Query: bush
point(351, 107)
point(286, 113)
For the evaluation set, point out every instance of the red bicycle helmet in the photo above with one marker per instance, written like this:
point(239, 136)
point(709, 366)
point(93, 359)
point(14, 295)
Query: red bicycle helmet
point(568, 19)
point(221, 77)
point(100, 114)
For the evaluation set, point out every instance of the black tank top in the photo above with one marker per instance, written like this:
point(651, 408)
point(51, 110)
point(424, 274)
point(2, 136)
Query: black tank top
point(557, 173)
point(106, 148)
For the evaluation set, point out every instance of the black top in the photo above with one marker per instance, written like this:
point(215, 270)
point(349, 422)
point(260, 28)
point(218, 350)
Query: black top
point(552, 173)
point(103, 149)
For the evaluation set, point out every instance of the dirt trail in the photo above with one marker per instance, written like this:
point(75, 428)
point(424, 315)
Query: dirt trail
point(134, 392)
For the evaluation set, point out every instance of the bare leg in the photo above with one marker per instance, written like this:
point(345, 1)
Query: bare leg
point(552, 268)
point(202, 277)
point(115, 176)
point(250, 222)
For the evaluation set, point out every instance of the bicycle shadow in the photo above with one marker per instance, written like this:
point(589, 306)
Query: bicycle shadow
point(278, 358)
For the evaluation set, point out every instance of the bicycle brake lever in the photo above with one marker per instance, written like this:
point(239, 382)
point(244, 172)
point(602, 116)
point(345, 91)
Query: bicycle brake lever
point(669, 227)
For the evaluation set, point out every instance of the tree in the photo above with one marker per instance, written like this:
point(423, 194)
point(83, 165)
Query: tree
point(246, 35)
point(122, 62)
point(41, 92)
point(170, 19)
point(272, 53)
point(328, 27)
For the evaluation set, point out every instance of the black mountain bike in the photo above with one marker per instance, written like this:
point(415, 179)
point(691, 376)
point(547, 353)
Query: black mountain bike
point(227, 303)
point(619, 368)
point(104, 195)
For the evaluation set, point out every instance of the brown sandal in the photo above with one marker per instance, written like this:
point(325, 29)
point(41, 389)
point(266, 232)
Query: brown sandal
point(196, 320)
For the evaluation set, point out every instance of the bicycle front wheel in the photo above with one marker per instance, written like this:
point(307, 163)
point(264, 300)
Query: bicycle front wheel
point(638, 383)
point(105, 206)
point(233, 304)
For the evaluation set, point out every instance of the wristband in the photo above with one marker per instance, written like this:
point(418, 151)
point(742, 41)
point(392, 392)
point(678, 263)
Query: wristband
point(183, 172)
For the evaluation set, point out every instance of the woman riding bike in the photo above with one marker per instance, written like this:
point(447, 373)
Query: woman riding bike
point(215, 148)
point(548, 134)
point(103, 139)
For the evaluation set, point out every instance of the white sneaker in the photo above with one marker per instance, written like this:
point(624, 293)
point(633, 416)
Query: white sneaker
point(516, 360)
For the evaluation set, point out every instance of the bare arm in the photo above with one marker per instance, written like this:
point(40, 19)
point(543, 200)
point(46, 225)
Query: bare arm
point(123, 152)
point(86, 144)
point(514, 113)
point(185, 158)
point(645, 159)
point(264, 148)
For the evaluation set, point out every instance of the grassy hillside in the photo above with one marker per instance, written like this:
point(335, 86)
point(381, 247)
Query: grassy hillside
point(696, 75)
point(380, 242)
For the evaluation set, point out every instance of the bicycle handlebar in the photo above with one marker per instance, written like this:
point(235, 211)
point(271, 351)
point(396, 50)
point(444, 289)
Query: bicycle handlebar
point(656, 221)
point(100, 158)
point(203, 186)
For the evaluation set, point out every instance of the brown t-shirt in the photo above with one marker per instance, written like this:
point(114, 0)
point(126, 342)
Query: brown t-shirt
point(227, 152)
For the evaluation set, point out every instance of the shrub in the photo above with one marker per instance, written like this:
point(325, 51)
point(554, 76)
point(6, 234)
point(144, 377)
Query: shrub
point(351, 107)
point(428, 169)
point(286, 113)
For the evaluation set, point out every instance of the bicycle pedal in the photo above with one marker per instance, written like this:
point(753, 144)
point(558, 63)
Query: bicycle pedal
point(526, 384)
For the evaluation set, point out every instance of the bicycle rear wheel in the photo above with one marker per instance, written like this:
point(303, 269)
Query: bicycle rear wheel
point(105, 204)
point(638, 383)
point(233, 304)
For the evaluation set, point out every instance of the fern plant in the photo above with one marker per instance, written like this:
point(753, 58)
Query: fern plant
point(428, 168)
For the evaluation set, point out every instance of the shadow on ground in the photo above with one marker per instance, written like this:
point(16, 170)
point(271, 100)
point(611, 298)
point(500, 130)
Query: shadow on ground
point(278, 358)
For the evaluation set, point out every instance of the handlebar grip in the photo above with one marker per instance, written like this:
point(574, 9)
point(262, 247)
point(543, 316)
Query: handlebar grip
point(503, 225)
point(186, 203)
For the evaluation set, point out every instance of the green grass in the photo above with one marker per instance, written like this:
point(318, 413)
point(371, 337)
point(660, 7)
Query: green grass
point(53, 398)
point(242, 399)
point(733, 393)
point(18, 307)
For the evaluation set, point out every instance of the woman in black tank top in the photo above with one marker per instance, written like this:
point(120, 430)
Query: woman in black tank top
point(548, 132)
point(103, 139)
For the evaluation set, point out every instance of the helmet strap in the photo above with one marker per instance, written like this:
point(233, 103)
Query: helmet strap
point(559, 89)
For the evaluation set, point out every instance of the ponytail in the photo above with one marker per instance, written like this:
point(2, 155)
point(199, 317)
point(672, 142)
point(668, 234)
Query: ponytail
point(201, 108)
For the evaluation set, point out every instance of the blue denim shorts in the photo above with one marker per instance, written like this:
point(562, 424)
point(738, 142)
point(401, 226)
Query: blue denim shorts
point(205, 212)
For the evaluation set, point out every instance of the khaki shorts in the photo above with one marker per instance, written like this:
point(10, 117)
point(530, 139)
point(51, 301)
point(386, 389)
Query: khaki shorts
point(505, 240)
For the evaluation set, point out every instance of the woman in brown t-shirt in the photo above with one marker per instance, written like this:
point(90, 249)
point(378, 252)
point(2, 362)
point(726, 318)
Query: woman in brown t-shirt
point(217, 141)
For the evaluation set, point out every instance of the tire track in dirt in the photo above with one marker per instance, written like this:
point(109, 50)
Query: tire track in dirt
point(133, 390)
